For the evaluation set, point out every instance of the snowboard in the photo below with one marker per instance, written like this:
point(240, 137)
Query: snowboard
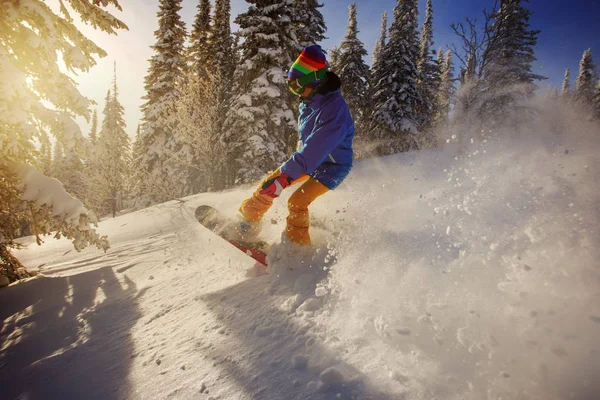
point(215, 221)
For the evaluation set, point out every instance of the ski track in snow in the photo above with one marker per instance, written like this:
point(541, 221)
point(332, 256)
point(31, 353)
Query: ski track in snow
point(434, 275)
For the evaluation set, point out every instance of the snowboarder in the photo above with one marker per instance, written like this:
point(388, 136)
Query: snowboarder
point(324, 155)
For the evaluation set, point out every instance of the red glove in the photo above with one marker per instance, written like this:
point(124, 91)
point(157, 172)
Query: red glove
point(274, 186)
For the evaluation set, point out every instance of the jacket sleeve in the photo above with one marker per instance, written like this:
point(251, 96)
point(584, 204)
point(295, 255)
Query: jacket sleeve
point(327, 134)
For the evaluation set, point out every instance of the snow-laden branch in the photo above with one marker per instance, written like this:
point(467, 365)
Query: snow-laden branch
point(68, 216)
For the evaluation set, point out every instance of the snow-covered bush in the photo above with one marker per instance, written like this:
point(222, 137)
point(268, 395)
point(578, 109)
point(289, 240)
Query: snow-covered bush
point(34, 202)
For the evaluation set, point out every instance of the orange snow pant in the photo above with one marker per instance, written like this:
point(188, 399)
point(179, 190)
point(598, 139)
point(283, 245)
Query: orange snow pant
point(254, 208)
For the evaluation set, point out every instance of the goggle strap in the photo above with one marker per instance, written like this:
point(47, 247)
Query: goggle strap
point(313, 76)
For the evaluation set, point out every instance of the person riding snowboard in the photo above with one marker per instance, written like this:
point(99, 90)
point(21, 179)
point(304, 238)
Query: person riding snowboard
point(324, 157)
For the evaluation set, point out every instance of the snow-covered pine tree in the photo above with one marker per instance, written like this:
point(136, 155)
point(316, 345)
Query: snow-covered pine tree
point(137, 151)
point(439, 60)
point(72, 176)
point(213, 57)
point(566, 85)
point(596, 103)
point(260, 121)
point(380, 45)
point(222, 62)
point(396, 98)
point(446, 88)
point(584, 91)
point(309, 22)
point(58, 161)
point(334, 59)
point(507, 75)
point(94, 130)
point(157, 176)
point(198, 51)
point(45, 161)
point(38, 99)
point(428, 72)
point(375, 73)
point(113, 157)
point(436, 83)
point(353, 72)
point(469, 73)
point(202, 152)
point(221, 43)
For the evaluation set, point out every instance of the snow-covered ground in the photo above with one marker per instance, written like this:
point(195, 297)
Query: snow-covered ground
point(444, 274)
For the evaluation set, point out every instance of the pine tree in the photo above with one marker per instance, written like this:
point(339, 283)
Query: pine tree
point(427, 69)
point(45, 156)
point(221, 41)
point(223, 61)
point(202, 154)
point(73, 177)
point(507, 76)
point(261, 122)
point(596, 103)
point(584, 91)
point(566, 86)
point(157, 172)
point(440, 61)
point(396, 98)
point(334, 59)
point(94, 130)
point(380, 45)
point(376, 72)
point(38, 98)
point(446, 88)
point(58, 161)
point(113, 157)
point(353, 71)
point(469, 73)
point(198, 51)
point(309, 22)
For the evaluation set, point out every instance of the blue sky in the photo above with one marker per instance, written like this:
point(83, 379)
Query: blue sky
point(566, 32)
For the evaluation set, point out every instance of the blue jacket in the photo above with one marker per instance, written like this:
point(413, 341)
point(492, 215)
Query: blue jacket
point(326, 131)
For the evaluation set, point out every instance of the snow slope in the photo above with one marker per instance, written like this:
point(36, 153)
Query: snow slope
point(467, 273)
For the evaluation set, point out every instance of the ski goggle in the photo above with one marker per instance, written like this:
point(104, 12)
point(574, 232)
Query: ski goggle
point(297, 86)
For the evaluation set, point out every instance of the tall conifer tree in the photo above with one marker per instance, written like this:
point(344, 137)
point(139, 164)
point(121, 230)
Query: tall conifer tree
point(94, 128)
point(309, 22)
point(198, 51)
point(222, 61)
point(221, 42)
point(380, 45)
point(596, 102)
point(584, 91)
point(353, 71)
point(45, 156)
point(113, 154)
point(157, 170)
point(427, 68)
point(566, 85)
point(261, 122)
point(507, 75)
point(334, 59)
point(376, 72)
point(396, 98)
point(58, 161)
point(446, 88)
